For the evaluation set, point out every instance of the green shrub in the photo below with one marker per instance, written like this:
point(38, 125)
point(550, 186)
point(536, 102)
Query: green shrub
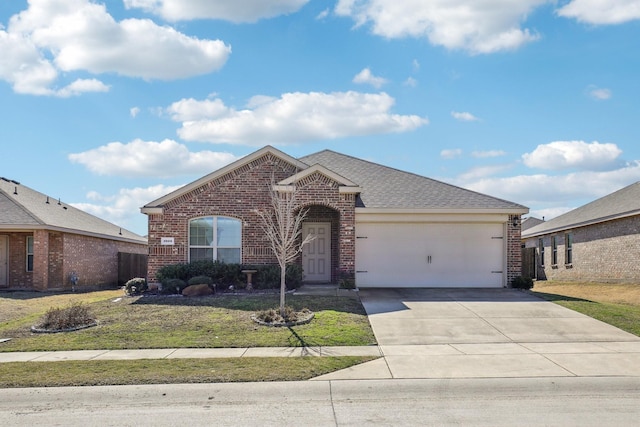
point(200, 280)
point(522, 282)
point(136, 286)
point(73, 316)
point(173, 286)
point(347, 281)
point(266, 276)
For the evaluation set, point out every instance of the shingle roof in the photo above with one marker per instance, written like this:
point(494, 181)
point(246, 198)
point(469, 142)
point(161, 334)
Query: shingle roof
point(386, 187)
point(24, 208)
point(622, 203)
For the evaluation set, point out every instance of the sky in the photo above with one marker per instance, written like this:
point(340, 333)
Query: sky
point(109, 105)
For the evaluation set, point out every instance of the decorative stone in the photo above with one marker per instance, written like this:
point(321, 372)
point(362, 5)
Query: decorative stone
point(197, 291)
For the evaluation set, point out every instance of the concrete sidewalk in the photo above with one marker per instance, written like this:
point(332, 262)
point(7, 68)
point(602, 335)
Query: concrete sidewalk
point(187, 353)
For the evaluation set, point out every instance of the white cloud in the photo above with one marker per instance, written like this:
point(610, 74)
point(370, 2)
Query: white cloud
point(601, 12)
point(559, 155)
point(487, 154)
point(229, 10)
point(81, 86)
point(482, 171)
point(553, 191)
point(322, 15)
point(292, 118)
point(147, 158)
point(600, 94)
point(475, 26)
point(451, 153)
point(134, 111)
point(463, 116)
point(411, 82)
point(123, 208)
point(54, 36)
point(188, 110)
point(366, 77)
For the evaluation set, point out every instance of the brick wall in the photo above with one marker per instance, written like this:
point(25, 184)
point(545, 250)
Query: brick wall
point(514, 248)
point(605, 252)
point(238, 194)
point(19, 277)
point(56, 255)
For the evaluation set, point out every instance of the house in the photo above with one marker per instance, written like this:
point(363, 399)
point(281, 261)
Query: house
point(383, 226)
point(46, 244)
point(599, 241)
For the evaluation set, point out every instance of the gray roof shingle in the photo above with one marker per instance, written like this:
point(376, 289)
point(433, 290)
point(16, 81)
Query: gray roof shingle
point(23, 207)
point(622, 203)
point(386, 187)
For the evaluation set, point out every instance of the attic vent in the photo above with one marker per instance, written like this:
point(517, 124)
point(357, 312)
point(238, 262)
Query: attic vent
point(9, 180)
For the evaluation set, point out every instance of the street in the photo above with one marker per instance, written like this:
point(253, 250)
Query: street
point(563, 401)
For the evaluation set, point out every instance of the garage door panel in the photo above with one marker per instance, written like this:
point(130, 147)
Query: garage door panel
point(423, 254)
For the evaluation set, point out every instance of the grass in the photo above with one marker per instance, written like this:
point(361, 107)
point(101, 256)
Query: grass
point(169, 371)
point(177, 322)
point(615, 304)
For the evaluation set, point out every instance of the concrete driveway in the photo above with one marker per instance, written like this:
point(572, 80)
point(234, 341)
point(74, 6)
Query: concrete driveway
point(488, 333)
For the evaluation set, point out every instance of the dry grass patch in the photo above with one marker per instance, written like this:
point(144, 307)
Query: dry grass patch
point(615, 304)
point(618, 293)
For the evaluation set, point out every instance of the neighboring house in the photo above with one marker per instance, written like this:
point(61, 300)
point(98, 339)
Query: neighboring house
point(599, 241)
point(45, 242)
point(530, 222)
point(384, 226)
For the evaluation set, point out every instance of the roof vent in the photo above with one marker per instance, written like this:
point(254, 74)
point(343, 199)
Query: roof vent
point(47, 202)
point(15, 190)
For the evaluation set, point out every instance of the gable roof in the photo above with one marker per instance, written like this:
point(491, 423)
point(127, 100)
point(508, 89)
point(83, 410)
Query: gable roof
point(384, 187)
point(23, 208)
point(527, 223)
point(379, 187)
point(156, 205)
point(620, 204)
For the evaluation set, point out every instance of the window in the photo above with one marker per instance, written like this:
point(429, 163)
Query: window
point(29, 253)
point(554, 250)
point(541, 249)
point(568, 248)
point(215, 238)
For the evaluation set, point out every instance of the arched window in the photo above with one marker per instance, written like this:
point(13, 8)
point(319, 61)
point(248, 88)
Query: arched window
point(215, 238)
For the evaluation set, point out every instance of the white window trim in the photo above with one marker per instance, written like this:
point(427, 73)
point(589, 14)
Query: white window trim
point(215, 237)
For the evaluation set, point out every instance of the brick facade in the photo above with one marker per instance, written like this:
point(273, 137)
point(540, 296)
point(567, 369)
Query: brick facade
point(514, 245)
point(238, 194)
point(56, 255)
point(604, 252)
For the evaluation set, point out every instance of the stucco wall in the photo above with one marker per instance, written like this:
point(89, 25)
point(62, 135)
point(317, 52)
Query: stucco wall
point(605, 252)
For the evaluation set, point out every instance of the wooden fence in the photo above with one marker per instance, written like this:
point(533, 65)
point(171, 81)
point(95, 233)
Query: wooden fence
point(131, 266)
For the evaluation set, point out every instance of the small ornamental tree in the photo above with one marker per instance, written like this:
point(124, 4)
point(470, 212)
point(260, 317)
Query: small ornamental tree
point(282, 226)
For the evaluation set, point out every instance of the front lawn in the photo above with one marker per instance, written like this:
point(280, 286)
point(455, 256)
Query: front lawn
point(180, 322)
point(615, 304)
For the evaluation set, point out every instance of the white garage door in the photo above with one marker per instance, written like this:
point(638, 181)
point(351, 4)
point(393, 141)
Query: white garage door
point(430, 255)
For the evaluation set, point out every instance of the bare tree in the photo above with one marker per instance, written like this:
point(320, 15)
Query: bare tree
point(282, 225)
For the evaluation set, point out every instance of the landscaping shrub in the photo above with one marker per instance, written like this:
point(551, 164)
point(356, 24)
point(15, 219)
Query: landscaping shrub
point(522, 283)
point(74, 316)
point(173, 286)
point(224, 275)
point(347, 281)
point(136, 286)
point(200, 280)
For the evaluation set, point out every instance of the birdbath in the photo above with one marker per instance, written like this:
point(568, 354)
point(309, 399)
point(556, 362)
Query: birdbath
point(249, 274)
